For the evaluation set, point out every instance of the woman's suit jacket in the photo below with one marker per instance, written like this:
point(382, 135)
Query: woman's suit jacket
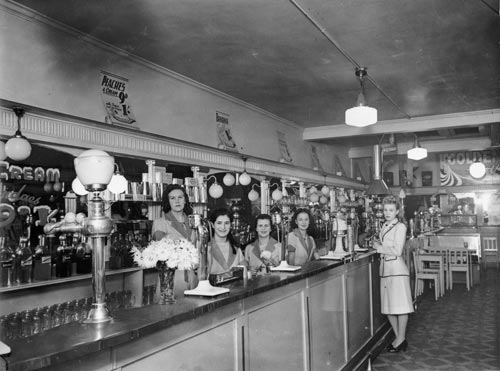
point(393, 238)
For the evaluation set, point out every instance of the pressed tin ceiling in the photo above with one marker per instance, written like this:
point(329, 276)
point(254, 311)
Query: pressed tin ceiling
point(296, 58)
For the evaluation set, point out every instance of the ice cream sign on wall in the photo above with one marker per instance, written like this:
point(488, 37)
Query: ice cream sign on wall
point(37, 174)
point(454, 167)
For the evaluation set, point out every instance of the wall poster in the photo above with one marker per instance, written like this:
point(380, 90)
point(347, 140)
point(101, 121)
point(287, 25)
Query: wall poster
point(115, 99)
point(224, 136)
point(285, 152)
point(454, 167)
point(315, 159)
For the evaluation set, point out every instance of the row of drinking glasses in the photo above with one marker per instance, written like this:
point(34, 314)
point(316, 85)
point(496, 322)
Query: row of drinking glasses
point(35, 321)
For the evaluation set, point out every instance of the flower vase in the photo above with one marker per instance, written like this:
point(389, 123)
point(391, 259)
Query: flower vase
point(166, 276)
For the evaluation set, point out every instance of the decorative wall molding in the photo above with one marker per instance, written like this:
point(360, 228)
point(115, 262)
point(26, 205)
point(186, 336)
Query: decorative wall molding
point(79, 134)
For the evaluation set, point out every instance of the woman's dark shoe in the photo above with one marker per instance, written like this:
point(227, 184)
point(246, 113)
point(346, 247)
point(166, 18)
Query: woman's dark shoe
point(403, 346)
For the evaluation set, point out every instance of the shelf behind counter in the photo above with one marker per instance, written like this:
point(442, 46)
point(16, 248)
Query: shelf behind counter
point(324, 314)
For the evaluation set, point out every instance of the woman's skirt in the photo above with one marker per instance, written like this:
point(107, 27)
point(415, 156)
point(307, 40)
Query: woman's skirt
point(395, 295)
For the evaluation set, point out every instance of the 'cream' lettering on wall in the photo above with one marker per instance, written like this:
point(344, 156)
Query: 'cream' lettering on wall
point(14, 172)
point(462, 158)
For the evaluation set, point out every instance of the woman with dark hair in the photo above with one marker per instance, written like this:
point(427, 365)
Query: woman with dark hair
point(300, 243)
point(174, 223)
point(264, 251)
point(224, 251)
point(395, 292)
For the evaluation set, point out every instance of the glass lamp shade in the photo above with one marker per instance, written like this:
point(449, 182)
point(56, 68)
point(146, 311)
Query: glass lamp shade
point(18, 148)
point(229, 179)
point(78, 187)
point(361, 116)
point(215, 190)
point(325, 190)
point(253, 195)
point(245, 179)
point(3, 155)
point(118, 184)
point(94, 169)
point(417, 153)
point(314, 197)
point(277, 195)
point(477, 170)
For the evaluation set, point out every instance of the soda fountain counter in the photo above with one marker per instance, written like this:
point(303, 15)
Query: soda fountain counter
point(324, 317)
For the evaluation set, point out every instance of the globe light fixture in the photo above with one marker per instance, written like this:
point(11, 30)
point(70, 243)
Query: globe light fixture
point(361, 115)
point(94, 168)
point(78, 187)
point(229, 180)
point(118, 184)
point(477, 169)
point(215, 190)
point(417, 152)
point(17, 147)
point(253, 195)
point(244, 178)
point(277, 195)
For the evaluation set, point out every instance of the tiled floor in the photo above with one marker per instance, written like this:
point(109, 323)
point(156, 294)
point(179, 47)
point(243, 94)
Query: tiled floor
point(458, 332)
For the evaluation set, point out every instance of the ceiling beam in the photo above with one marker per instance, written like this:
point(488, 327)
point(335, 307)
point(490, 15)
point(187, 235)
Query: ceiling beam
point(415, 124)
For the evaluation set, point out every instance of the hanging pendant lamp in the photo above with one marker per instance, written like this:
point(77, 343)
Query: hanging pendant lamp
point(361, 115)
point(17, 147)
point(417, 152)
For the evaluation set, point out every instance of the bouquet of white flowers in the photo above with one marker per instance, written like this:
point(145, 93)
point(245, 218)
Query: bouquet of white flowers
point(180, 254)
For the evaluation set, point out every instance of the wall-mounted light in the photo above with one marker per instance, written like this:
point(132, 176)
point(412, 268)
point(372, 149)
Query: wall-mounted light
point(253, 195)
point(215, 190)
point(17, 147)
point(118, 183)
point(417, 152)
point(229, 180)
point(277, 195)
point(361, 115)
point(244, 178)
point(477, 169)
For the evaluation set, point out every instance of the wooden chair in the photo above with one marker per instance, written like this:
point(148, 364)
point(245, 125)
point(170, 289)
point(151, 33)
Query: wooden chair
point(459, 261)
point(489, 247)
point(421, 275)
point(436, 267)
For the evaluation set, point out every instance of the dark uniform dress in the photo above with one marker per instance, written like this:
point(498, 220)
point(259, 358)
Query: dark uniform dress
point(395, 291)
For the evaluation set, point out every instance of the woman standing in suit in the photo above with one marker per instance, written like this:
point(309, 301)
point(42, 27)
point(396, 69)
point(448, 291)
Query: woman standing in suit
point(395, 291)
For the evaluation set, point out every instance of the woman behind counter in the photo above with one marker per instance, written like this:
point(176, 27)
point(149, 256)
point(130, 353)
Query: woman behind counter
point(224, 252)
point(395, 292)
point(174, 224)
point(300, 244)
point(264, 251)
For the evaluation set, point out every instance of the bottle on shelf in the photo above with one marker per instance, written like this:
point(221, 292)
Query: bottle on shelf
point(63, 258)
point(83, 256)
point(116, 251)
point(6, 263)
point(42, 261)
point(23, 261)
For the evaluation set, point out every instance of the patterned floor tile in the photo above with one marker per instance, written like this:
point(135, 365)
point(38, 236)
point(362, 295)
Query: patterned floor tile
point(458, 332)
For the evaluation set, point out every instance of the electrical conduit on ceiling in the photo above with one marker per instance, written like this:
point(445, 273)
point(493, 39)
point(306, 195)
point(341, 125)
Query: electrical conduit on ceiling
point(345, 54)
